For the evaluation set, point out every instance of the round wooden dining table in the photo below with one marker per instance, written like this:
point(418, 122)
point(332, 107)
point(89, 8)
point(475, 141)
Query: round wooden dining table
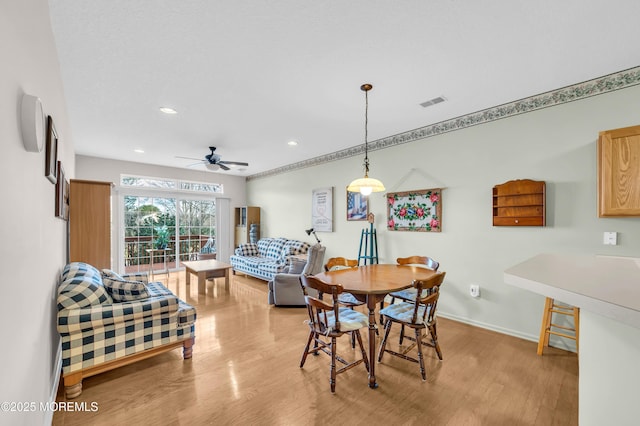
point(370, 284)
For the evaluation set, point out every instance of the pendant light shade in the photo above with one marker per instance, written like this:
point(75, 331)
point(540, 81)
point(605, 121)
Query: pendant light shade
point(366, 185)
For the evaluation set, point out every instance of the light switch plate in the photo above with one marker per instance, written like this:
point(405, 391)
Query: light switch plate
point(610, 238)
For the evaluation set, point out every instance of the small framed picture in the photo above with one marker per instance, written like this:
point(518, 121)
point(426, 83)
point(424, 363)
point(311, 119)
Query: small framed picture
point(62, 194)
point(357, 206)
point(51, 160)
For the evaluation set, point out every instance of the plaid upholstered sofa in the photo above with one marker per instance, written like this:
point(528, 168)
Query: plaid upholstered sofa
point(107, 321)
point(267, 257)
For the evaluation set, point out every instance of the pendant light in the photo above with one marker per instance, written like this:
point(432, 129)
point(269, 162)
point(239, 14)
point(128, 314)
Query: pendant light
point(366, 185)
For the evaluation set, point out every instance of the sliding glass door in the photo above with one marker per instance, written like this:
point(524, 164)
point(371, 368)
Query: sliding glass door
point(197, 226)
point(152, 241)
point(149, 223)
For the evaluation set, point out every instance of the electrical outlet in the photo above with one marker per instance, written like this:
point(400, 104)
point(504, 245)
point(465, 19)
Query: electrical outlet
point(474, 290)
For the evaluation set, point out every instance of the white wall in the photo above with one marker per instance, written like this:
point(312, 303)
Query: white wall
point(609, 351)
point(102, 169)
point(557, 145)
point(33, 249)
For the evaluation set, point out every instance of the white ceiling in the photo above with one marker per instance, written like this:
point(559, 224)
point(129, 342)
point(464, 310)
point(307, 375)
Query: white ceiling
point(249, 76)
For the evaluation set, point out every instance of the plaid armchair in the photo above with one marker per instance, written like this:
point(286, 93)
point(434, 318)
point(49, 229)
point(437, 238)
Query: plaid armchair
point(107, 321)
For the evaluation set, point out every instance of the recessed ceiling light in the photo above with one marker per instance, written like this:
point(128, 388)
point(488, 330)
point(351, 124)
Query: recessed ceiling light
point(168, 110)
point(139, 151)
point(292, 143)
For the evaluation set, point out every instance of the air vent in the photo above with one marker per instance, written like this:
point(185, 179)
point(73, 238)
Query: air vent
point(433, 101)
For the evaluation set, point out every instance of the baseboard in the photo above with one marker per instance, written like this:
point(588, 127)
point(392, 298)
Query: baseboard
point(557, 343)
point(491, 327)
point(55, 382)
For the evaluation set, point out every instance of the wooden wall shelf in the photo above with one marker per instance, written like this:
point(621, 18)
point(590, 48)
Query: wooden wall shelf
point(519, 203)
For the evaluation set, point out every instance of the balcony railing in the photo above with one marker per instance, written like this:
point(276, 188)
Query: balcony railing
point(137, 259)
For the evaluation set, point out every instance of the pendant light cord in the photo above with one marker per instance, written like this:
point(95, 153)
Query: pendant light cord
point(366, 89)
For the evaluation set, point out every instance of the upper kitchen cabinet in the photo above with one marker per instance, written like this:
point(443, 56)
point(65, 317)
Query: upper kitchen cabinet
point(619, 172)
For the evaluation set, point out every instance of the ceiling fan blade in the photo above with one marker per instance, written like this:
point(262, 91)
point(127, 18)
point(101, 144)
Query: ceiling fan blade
point(234, 163)
point(223, 167)
point(190, 158)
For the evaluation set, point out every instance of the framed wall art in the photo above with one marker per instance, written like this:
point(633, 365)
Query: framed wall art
point(51, 158)
point(322, 209)
point(419, 210)
point(357, 206)
point(62, 194)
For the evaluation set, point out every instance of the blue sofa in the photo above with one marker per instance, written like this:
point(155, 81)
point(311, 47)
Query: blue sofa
point(267, 257)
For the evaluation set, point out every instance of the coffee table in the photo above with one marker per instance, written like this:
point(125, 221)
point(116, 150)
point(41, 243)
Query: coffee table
point(206, 269)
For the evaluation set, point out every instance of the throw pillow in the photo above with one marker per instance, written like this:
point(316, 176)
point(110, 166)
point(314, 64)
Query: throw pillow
point(125, 291)
point(296, 265)
point(111, 274)
point(247, 249)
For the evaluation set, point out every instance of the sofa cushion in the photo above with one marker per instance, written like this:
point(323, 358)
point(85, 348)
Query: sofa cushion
point(275, 249)
point(296, 265)
point(158, 289)
point(255, 261)
point(298, 247)
point(293, 248)
point(81, 287)
point(263, 246)
point(125, 291)
point(112, 274)
point(247, 249)
point(272, 267)
point(133, 276)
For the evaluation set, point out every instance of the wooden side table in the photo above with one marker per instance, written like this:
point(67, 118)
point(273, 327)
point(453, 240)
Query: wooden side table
point(205, 269)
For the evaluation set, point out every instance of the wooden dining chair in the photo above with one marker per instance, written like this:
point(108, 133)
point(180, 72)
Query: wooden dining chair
point(337, 263)
point(409, 294)
point(327, 322)
point(420, 316)
point(345, 298)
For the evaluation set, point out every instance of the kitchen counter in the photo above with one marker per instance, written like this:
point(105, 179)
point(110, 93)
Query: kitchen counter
point(607, 289)
point(605, 285)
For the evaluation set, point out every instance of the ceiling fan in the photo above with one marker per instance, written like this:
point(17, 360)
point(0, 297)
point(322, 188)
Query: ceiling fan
point(213, 161)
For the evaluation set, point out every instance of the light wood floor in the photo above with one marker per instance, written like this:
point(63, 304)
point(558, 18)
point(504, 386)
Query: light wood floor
point(245, 371)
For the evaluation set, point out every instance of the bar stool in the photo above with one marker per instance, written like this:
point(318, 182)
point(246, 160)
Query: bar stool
point(550, 308)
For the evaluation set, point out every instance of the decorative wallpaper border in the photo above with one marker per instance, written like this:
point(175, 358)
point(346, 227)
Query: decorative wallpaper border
point(597, 86)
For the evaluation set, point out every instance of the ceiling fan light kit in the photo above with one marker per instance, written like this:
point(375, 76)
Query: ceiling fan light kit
point(214, 162)
point(366, 185)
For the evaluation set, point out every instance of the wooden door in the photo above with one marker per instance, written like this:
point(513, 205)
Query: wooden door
point(90, 223)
